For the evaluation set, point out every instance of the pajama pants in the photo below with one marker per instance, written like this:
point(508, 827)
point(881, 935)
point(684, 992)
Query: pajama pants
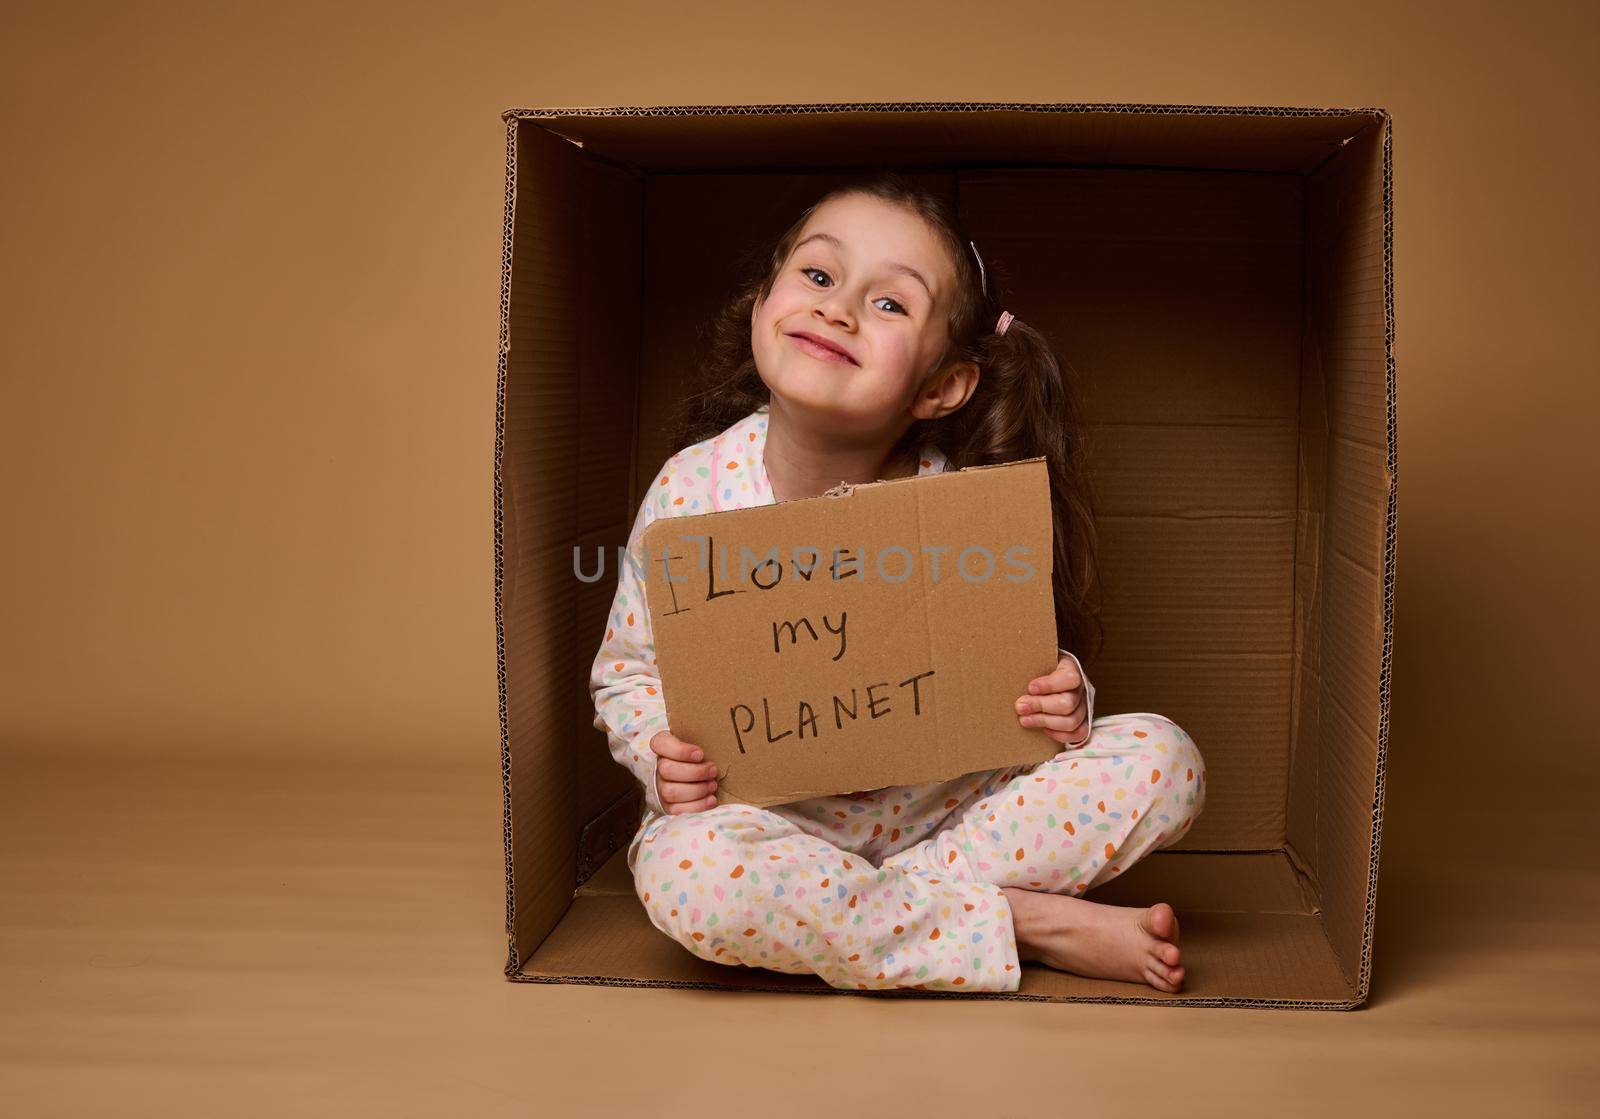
point(901, 887)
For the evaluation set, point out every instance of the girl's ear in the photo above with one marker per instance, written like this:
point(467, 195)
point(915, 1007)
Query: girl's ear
point(949, 389)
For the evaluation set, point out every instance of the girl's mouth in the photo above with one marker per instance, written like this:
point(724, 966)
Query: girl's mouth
point(819, 351)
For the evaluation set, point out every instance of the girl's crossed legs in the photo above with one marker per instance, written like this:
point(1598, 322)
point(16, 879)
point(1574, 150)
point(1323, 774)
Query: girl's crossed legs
point(905, 886)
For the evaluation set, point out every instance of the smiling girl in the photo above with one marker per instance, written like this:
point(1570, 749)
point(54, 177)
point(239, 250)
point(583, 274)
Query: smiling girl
point(871, 347)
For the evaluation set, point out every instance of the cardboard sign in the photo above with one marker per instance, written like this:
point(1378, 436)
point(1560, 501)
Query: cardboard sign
point(877, 635)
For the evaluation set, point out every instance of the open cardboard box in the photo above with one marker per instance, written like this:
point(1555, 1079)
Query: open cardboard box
point(1220, 281)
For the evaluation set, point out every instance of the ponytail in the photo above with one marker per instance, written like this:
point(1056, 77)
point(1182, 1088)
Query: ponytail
point(1024, 408)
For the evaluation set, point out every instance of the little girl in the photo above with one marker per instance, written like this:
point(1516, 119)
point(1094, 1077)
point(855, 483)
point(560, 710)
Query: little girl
point(873, 347)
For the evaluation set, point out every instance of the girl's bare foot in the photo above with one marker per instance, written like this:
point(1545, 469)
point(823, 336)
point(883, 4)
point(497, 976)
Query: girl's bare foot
point(1097, 940)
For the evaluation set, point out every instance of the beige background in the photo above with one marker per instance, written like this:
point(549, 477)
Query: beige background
point(249, 785)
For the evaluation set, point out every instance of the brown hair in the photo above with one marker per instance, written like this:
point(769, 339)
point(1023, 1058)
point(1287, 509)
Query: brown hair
point(1022, 407)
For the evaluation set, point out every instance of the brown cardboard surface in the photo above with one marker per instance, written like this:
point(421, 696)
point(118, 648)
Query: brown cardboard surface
point(1352, 461)
point(872, 636)
point(1222, 292)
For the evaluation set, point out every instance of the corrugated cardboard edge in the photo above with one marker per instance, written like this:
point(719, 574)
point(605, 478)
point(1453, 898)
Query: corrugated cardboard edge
point(1364, 979)
point(845, 489)
point(931, 106)
point(917, 992)
point(512, 962)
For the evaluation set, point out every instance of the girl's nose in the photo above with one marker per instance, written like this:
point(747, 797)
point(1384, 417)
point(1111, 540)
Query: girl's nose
point(834, 309)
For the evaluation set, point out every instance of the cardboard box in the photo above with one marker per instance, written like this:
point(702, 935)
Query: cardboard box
point(882, 632)
point(1219, 279)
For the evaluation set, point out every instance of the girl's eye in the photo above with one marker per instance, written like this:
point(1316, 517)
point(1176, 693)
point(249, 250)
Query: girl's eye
point(880, 299)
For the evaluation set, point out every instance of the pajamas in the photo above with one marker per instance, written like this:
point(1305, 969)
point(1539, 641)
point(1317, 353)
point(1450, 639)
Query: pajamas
point(892, 887)
point(900, 887)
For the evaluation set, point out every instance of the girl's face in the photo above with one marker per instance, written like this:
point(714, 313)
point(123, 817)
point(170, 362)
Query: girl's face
point(867, 278)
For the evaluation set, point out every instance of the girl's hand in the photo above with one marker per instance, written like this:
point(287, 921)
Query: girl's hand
point(682, 784)
point(1056, 704)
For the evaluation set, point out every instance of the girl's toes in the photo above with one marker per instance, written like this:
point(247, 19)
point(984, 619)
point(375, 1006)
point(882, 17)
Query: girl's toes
point(1168, 954)
point(1170, 973)
point(1161, 922)
point(1154, 975)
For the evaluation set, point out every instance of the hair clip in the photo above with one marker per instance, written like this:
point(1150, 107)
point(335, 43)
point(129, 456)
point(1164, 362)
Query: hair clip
point(983, 277)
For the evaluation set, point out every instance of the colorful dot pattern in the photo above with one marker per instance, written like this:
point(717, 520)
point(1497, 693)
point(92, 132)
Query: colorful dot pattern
point(902, 887)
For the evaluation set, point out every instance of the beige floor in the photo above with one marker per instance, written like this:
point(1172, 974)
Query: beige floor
point(178, 938)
